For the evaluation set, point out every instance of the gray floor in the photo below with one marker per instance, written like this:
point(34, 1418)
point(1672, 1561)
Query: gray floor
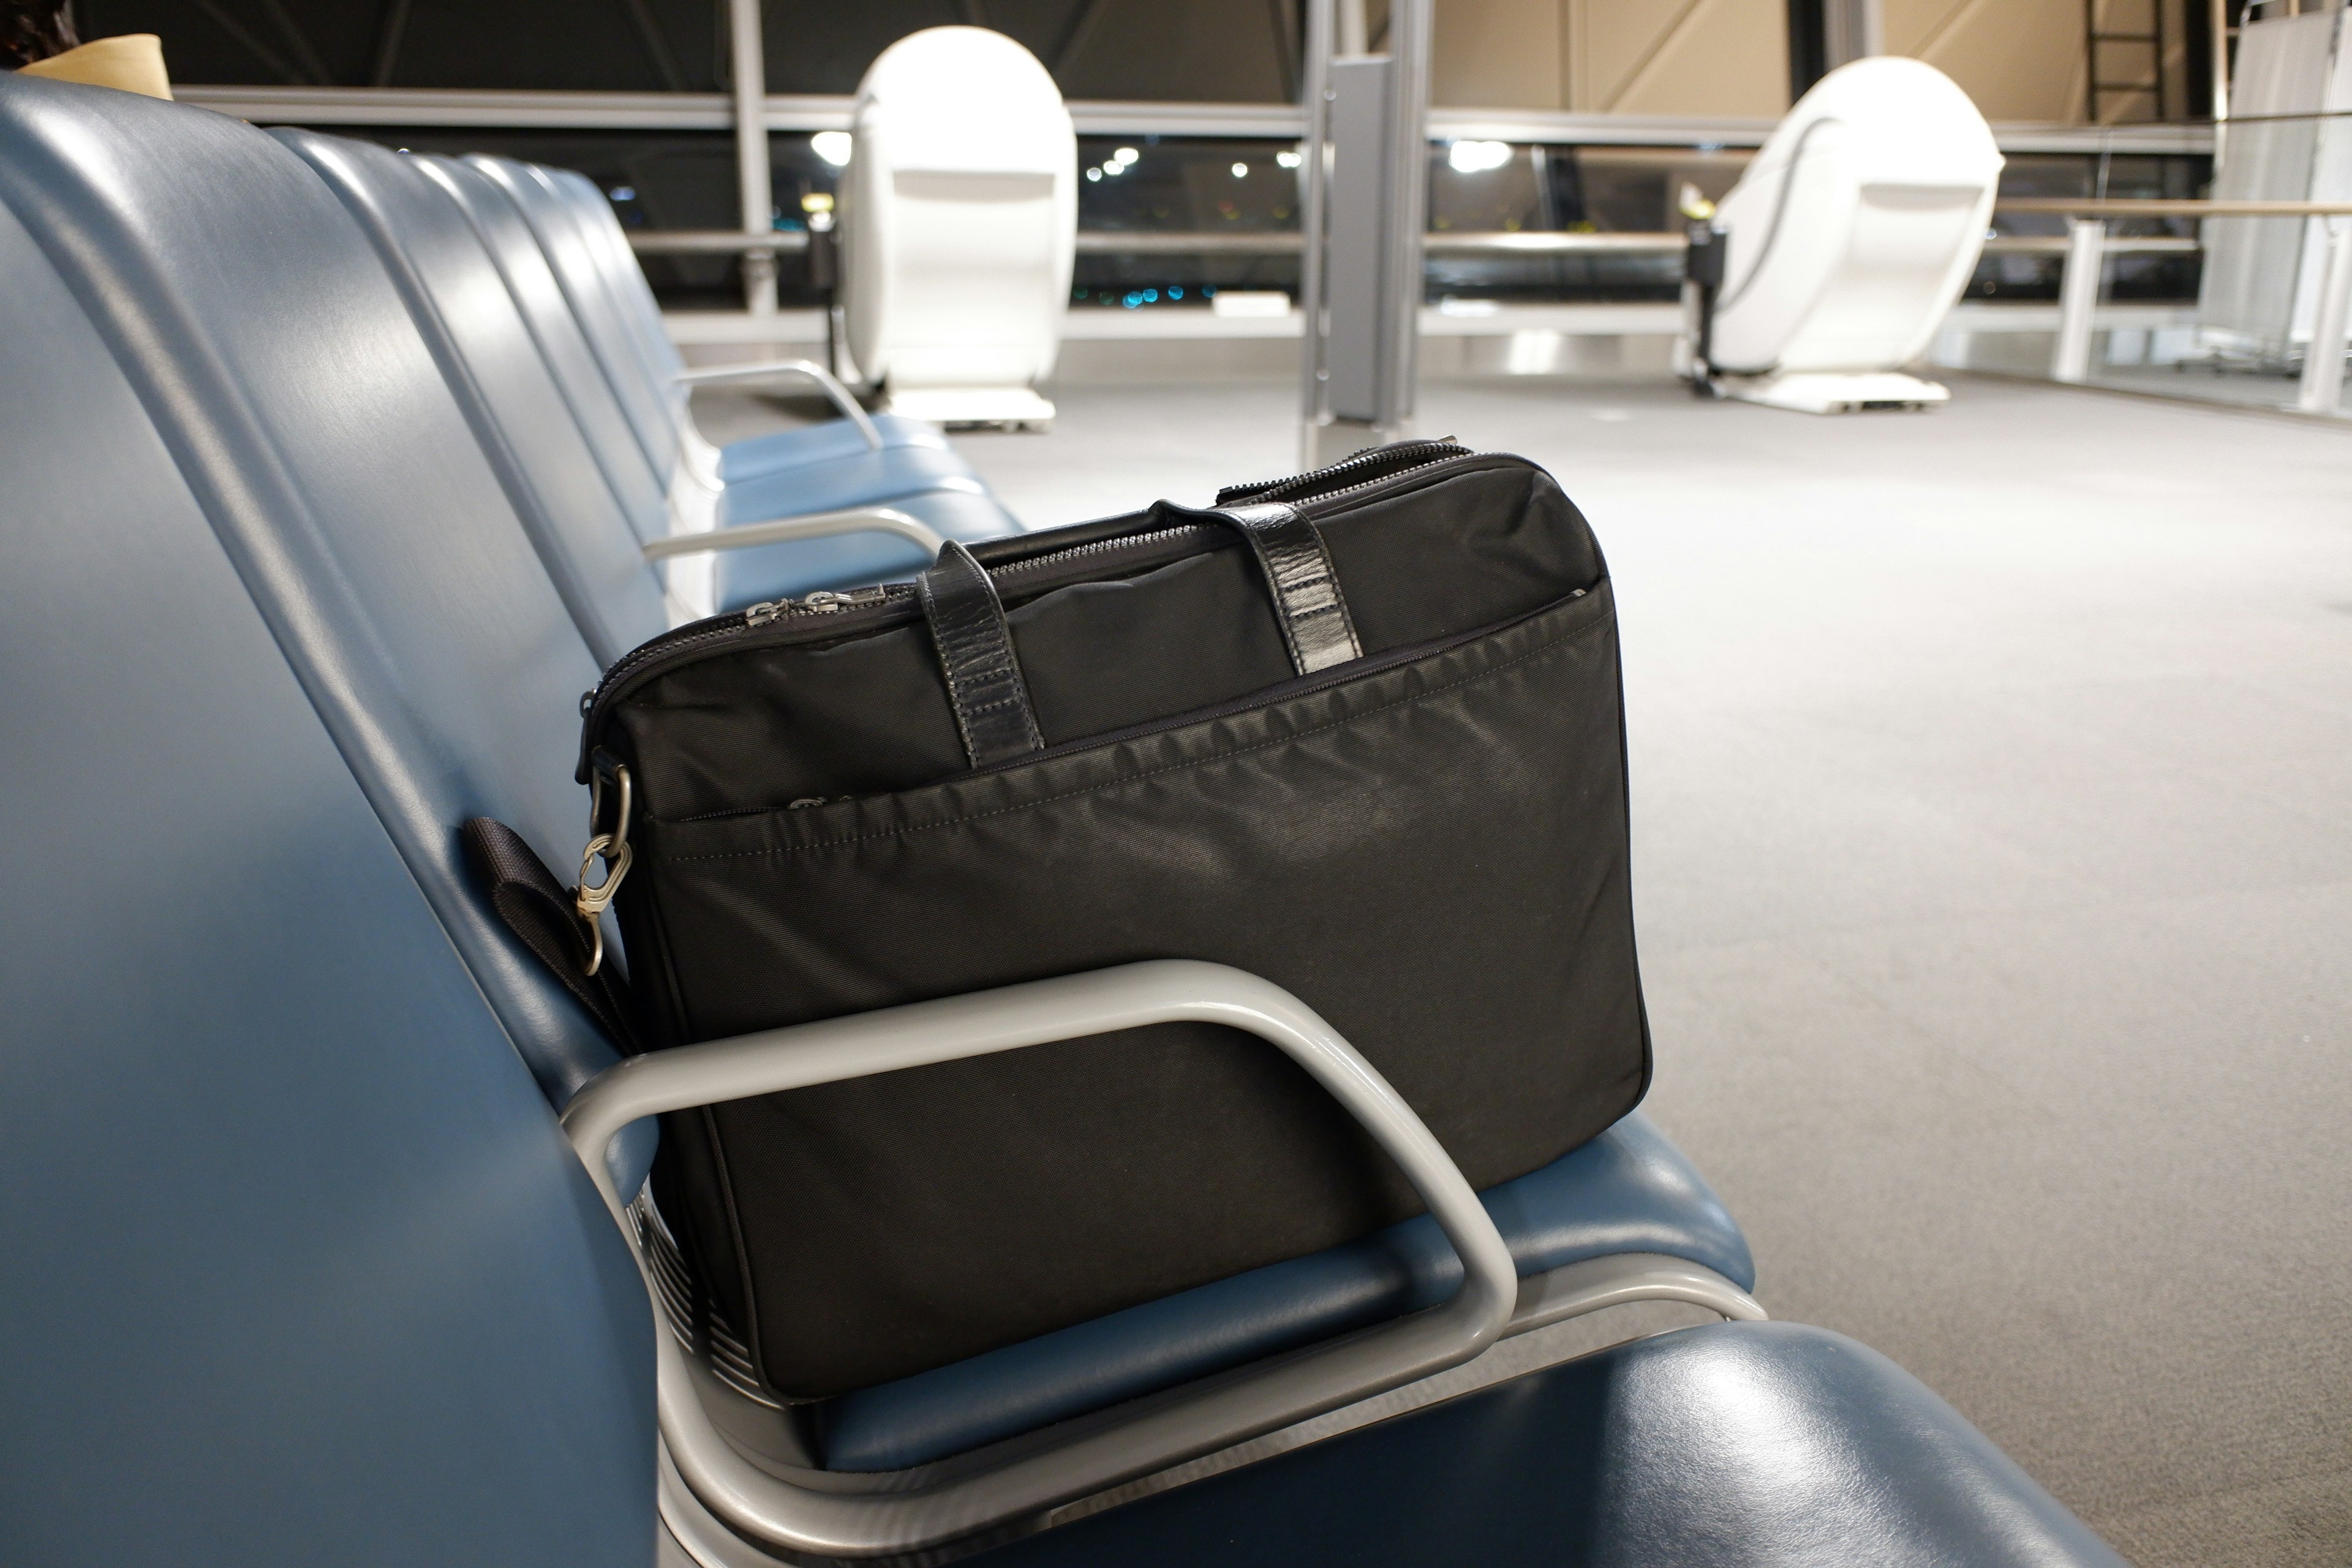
point(2204, 384)
point(1990, 778)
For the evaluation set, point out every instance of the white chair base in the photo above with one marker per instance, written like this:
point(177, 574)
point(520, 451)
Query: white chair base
point(1835, 391)
point(954, 405)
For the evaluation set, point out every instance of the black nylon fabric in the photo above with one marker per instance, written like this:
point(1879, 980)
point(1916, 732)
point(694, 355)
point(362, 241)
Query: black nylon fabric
point(1422, 558)
point(1433, 855)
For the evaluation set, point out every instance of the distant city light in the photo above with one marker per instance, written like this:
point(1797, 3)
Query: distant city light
point(834, 146)
point(1289, 160)
point(1094, 173)
point(1477, 157)
point(623, 193)
point(1127, 155)
point(1241, 171)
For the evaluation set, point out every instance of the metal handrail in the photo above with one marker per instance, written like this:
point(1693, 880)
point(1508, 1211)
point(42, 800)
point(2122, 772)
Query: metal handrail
point(1283, 242)
point(791, 529)
point(2167, 207)
point(715, 242)
point(2058, 245)
point(514, 109)
point(815, 1513)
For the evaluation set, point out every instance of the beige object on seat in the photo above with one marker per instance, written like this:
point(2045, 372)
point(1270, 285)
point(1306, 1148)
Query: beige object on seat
point(133, 62)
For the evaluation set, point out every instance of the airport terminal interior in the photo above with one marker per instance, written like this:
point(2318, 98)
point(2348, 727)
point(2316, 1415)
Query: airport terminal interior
point(1242, 782)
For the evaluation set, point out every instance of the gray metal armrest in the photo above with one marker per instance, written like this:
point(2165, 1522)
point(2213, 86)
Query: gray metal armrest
point(808, 370)
point(824, 1515)
point(815, 525)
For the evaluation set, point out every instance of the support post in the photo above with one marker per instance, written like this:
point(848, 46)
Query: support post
point(2322, 362)
point(748, 53)
point(1411, 25)
point(1853, 30)
point(2221, 64)
point(1369, 143)
point(2078, 299)
point(1314, 170)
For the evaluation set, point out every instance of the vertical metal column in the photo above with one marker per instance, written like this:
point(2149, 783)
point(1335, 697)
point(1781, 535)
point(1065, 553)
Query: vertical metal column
point(748, 53)
point(2220, 63)
point(2078, 299)
point(2323, 362)
point(1314, 168)
point(1853, 30)
point(1410, 23)
point(1367, 161)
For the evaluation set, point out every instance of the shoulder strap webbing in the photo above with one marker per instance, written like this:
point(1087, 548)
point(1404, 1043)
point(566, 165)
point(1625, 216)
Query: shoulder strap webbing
point(538, 911)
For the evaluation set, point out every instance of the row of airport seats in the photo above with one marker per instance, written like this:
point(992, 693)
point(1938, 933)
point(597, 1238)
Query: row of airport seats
point(520, 280)
point(296, 583)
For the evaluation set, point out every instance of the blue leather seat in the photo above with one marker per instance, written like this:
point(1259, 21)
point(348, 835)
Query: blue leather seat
point(428, 219)
point(1732, 1445)
point(286, 374)
point(767, 572)
point(640, 314)
point(585, 507)
point(300, 1270)
point(795, 474)
point(1628, 1191)
point(261, 327)
point(606, 379)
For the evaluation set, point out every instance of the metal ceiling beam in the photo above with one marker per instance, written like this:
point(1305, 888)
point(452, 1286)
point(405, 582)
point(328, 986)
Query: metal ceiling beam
point(714, 111)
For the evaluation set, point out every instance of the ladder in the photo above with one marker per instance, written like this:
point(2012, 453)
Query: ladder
point(2098, 83)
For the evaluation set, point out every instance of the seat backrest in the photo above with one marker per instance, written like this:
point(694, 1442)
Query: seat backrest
point(959, 214)
point(656, 404)
point(300, 1269)
point(631, 296)
point(502, 381)
point(639, 475)
point(287, 379)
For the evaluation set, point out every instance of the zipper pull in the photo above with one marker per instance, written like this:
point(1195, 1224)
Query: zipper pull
point(823, 602)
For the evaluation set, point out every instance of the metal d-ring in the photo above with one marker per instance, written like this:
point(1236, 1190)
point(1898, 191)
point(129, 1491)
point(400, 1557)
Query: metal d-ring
point(591, 899)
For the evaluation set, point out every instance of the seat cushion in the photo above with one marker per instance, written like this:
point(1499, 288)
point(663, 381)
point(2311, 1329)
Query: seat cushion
point(862, 477)
point(835, 439)
point(853, 560)
point(1629, 1190)
point(1753, 1445)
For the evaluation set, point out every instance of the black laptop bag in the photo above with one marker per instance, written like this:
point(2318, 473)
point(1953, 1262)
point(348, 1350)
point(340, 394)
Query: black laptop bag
point(1358, 732)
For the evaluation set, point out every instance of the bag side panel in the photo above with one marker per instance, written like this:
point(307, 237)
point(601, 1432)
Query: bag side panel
point(1434, 856)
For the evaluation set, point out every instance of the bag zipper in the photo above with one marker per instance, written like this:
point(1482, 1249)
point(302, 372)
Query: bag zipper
point(823, 602)
point(1364, 468)
point(842, 612)
point(1264, 696)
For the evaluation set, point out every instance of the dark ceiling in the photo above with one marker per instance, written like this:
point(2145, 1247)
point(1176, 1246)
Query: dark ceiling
point(1190, 50)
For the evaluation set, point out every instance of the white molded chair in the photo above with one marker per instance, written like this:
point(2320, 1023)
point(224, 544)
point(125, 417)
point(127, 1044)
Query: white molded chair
point(960, 222)
point(1850, 237)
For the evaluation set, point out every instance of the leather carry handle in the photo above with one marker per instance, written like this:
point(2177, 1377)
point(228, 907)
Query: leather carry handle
point(1315, 626)
point(992, 711)
point(984, 685)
